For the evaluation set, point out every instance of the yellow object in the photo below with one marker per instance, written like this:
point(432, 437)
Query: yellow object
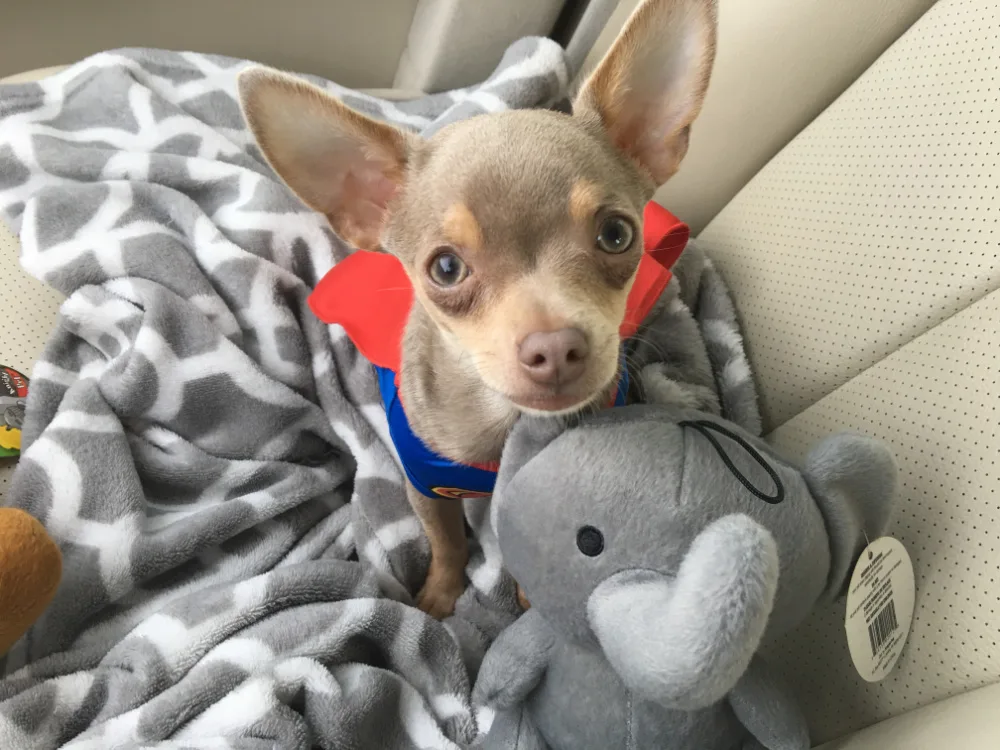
point(30, 570)
point(10, 440)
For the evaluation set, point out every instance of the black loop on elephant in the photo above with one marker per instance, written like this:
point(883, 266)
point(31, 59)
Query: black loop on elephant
point(590, 541)
point(706, 427)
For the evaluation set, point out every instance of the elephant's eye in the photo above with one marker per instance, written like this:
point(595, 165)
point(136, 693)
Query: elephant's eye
point(590, 541)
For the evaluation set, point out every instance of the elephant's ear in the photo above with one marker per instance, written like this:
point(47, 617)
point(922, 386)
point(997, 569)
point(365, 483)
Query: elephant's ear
point(530, 436)
point(853, 479)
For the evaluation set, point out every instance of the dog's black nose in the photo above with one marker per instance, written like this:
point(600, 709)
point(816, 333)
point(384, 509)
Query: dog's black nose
point(554, 357)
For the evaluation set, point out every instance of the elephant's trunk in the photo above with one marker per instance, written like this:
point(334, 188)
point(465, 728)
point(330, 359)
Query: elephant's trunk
point(685, 641)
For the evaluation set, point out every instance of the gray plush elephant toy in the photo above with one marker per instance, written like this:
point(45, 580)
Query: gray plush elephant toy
point(657, 548)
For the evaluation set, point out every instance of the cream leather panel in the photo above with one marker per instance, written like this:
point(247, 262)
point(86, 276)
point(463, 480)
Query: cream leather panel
point(966, 722)
point(936, 404)
point(28, 310)
point(779, 63)
point(456, 43)
point(354, 43)
point(29, 307)
point(879, 220)
point(33, 75)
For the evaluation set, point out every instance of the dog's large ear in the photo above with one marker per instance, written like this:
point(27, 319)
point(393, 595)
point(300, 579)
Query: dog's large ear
point(338, 161)
point(650, 86)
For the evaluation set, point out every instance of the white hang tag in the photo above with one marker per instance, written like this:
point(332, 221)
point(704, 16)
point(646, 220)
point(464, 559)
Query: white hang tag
point(880, 607)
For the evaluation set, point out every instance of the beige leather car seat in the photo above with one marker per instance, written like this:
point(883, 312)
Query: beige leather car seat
point(29, 307)
point(865, 262)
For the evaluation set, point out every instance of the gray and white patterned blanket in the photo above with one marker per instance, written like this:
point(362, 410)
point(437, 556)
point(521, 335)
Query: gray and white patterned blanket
point(239, 554)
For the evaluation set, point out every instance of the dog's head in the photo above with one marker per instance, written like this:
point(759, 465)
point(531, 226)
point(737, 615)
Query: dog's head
point(521, 231)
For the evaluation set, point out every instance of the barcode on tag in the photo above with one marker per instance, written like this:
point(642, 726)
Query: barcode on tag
point(883, 626)
point(880, 604)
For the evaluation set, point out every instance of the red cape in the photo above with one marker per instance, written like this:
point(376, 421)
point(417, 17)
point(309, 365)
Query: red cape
point(370, 295)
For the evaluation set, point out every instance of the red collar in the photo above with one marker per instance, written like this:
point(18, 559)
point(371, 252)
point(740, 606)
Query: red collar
point(370, 295)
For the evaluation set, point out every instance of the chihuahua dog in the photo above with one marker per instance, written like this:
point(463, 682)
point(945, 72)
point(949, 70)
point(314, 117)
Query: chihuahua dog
point(520, 231)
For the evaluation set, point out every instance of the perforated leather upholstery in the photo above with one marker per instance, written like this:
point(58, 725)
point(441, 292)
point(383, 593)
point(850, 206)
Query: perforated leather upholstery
point(865, 259)
point(877, 222)
point(936, 403)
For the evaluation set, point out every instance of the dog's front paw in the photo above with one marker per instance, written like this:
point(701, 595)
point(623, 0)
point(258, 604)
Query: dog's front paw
point(440, 592)
point(522, 599)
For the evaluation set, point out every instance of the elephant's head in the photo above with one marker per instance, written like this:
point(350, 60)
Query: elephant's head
point(672, 543)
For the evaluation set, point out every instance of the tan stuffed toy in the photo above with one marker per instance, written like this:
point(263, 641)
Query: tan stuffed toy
point(30, 570)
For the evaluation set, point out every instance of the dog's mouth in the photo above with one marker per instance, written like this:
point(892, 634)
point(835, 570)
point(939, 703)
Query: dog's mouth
point(562, 401)
point(554, 403)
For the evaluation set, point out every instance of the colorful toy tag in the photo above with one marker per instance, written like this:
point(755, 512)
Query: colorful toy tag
point(13, 396)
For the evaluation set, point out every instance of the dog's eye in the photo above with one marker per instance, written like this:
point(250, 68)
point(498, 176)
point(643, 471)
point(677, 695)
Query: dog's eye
point(590, 541)
point(447, 269)
point(615, 235)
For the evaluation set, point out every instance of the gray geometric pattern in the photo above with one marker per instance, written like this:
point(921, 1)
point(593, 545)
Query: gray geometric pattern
point(240, 557)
